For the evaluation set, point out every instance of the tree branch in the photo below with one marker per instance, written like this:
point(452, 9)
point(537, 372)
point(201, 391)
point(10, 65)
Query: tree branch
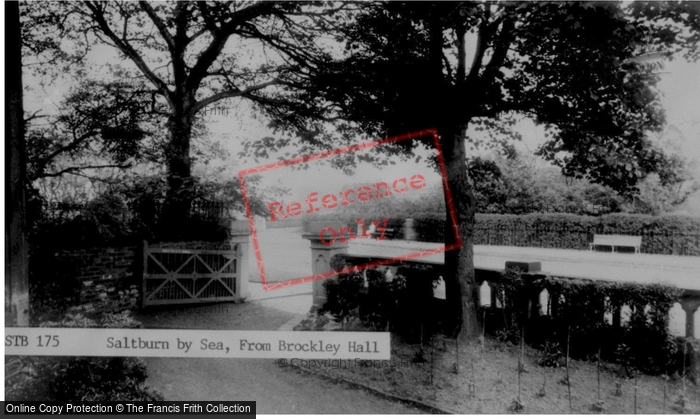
point(298, 54)
point(33, 116)
point(160, 25)
point(505, 38)
point(460, 32)
point(231, 93)
point(75, 170)
point(129, 51)
point(221, 35)
point(481, 42)
point(197, 34)
point(68, 147)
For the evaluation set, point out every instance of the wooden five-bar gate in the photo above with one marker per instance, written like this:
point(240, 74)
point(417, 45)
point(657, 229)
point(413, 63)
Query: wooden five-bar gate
point(187, 276)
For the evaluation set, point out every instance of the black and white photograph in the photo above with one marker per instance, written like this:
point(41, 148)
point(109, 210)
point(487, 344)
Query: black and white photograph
point(352, 207)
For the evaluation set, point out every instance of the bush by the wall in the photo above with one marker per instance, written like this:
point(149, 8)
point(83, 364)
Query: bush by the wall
point(579, 307)
point(401, 301)
point(85, 379)
point(77, 379)
point(53, 284)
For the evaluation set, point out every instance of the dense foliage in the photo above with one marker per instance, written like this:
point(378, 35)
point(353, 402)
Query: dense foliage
point(132, 209)
point(75, 379)
point(585, 313)
point(401, 302)
point(179, 59)
point(53, 286)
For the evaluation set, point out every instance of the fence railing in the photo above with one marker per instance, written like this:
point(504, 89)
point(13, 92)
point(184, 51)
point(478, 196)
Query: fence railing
point(540, 303)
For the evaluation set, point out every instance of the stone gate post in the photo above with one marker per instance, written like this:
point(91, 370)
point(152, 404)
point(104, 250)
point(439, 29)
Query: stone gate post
point(690, 302)
point(322, 250)
point(239, 237)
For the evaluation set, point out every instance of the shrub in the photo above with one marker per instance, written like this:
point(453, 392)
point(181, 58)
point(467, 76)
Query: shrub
point(73, 379)
point(53, 286)
point(551, 355)
point(343, 296)
point(133, 209)
point(370, 295)
point(401, 301)
point(84, 379)
point(582, 305)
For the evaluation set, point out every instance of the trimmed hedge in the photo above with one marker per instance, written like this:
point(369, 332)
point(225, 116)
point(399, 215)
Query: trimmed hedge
point(429, 228)
point(666, 235)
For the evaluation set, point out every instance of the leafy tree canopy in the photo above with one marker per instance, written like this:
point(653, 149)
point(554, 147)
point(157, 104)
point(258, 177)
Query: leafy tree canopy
point(185, 55)
point(567, 65)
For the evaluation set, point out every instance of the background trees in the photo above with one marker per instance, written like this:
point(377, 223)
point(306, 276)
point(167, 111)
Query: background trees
point(101, 125)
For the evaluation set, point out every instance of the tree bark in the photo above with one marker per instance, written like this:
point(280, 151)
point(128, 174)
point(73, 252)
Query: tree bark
point(16, 247)
point(176, 209)
point(460, 281)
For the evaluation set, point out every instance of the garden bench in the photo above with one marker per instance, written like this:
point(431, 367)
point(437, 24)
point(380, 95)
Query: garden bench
point(616, 241)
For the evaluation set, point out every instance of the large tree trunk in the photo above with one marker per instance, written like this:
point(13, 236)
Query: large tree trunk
point(16, 248)
point(460, 282)
point(178, 200)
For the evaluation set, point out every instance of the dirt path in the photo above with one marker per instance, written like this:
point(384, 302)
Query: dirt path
point(275, 389)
